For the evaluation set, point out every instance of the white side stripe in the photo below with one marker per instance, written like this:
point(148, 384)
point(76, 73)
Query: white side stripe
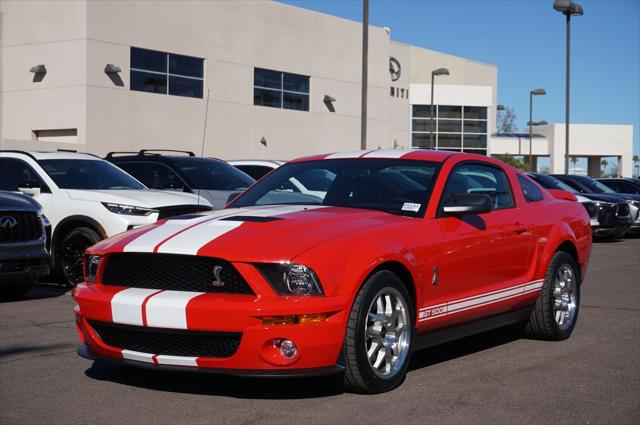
point(138, 356)
point(126, 305)
point(176, 360)
point(168, 309)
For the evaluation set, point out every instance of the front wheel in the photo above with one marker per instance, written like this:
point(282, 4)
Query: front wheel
point(556, 311)
point(379, 335)
point(71, 250)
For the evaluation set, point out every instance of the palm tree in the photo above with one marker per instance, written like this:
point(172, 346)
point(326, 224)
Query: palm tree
point(603, 167)
point(636, 165)
point(573, 160)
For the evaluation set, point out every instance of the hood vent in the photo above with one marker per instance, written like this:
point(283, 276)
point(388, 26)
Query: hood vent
point(250, 218)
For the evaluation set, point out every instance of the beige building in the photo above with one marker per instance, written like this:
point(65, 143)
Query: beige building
point(281, 81)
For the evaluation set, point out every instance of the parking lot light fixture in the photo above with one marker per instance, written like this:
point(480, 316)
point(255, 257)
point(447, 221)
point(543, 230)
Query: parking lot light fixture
point(536, 92)
point(439, 71)
point(568, 9)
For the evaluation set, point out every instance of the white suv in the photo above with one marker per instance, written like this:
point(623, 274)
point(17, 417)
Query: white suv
point(87, 199)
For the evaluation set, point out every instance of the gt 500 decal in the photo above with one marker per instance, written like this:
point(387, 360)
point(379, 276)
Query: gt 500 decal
point(480, 300)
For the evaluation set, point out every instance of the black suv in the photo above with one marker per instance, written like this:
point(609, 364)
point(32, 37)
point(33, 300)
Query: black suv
point(213, 179)
point(24, 250)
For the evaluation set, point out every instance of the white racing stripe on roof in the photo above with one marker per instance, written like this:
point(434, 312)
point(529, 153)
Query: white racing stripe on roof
point(168, 309)
point(388, 153)
point(126, 305)
point(176, 360)
point(137, 356)
point(350, 154)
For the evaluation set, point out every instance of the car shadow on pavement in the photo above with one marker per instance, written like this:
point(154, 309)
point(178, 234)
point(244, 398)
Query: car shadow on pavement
point(289, 388)
point(216, 385)
point(39, 291)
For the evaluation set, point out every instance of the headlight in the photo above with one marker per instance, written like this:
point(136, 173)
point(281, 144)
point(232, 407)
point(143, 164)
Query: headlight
point(291, 279)
point(603, 204)
point(91, 264)
point(128, 209)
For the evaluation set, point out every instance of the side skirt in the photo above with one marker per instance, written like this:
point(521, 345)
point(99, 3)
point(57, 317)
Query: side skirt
point(430, 339)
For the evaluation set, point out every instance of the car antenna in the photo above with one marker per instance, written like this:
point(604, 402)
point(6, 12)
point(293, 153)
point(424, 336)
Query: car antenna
point(204, 134)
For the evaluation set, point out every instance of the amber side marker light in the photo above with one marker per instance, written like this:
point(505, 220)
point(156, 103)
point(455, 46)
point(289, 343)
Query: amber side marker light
point(302, 319)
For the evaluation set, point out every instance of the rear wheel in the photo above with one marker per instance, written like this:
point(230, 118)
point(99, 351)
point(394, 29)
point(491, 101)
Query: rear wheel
point(71, 250)
point(556, 311)
point(379, 334)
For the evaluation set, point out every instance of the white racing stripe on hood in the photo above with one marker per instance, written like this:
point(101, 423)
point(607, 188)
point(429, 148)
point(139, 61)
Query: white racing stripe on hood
point(191, 240)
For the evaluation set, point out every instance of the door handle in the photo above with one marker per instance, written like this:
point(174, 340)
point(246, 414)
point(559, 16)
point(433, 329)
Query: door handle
point(521, 228)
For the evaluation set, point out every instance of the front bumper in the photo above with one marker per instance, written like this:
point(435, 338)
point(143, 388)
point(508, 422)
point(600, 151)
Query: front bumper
point(319, 344)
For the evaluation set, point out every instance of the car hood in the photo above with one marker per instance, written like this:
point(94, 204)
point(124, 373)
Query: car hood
point(615, 199)
point(252, 234)
point(145, 198)
point(16, 201)
point(628, 196)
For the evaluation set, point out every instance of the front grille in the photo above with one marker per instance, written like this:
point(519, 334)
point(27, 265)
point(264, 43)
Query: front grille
point(180, 210)
point(18, 266)
point(607, 213)
point(168, 342)
point(19, 226)
point(173, 272)
point(623, 210)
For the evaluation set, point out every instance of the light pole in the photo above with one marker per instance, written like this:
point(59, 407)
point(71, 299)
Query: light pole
point(365, 74)
point(439, 71)
point(533, 124)
point(569, 9)
point(536, 92)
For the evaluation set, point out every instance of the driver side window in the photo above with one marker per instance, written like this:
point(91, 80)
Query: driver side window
point(15, 173)
point(482, 180)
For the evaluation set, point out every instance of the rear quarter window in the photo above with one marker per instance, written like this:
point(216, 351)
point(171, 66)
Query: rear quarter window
point(530, 190)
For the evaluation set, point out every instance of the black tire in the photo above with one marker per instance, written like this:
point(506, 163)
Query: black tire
point(359, 375)
point(70, 251)
point(542, 323)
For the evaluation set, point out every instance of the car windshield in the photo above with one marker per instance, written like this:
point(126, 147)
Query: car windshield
point(88, 174)
point(549, 182)
point(390, 185)
point(211, 174)
point(595, 186)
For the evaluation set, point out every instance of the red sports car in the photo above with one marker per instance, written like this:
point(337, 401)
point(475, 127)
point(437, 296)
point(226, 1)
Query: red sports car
point(393, 251)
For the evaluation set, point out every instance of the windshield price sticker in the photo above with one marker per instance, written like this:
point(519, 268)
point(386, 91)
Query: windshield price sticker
point(408, 206)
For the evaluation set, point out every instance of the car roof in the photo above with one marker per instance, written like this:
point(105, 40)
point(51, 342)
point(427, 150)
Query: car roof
point(38, 155)
point(408, 154)
point(264, 162)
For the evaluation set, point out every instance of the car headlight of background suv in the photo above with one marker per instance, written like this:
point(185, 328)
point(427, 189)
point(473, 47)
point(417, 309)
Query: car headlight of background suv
point(602, 204)
point(128, 209)
point(291, 279)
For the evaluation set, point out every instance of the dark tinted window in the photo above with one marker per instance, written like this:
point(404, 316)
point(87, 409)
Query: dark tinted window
point(531, 192)
point(317, 180)
point(622, 186)
point(549, 182)
point(280, 89)
point(391, 185)
point(154, 175)
point(209, 174)
point(166, 73)
point(87, 174)
point(255, 171)
point(480, 179)
point(15, 173)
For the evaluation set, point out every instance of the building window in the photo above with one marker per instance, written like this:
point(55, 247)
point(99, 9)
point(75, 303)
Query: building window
point(280, 89)
point(455, 128)
point(166, 73)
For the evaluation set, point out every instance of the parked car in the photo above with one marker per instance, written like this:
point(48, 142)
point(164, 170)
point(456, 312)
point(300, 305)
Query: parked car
point(622, 185)
point(24, 252)
point(407, 248)
point(314, 182)
point(584, 184)
point(212, 178)
point(610, 214)
point(87, 199)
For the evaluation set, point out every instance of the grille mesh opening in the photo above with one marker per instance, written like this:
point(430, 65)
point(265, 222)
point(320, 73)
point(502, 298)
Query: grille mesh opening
point(173, 272)
point(168, 341)
point(19, 226)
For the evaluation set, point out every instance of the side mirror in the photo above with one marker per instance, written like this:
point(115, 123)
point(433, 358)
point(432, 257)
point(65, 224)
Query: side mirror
point(30, 188)
point(232, 196)
point(470, 203)
point(562, 194)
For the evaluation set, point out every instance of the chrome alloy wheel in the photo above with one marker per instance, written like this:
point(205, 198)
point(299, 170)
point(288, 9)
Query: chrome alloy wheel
point(564, 297)
point(387, 333)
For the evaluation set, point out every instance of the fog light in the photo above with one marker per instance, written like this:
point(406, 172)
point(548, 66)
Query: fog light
point(287, 348)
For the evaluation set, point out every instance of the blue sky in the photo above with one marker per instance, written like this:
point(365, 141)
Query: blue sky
point(526, 39)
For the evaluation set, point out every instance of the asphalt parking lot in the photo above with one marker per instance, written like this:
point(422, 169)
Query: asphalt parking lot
point(497, 377)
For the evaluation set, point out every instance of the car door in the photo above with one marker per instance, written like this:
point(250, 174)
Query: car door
point(486, 255)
